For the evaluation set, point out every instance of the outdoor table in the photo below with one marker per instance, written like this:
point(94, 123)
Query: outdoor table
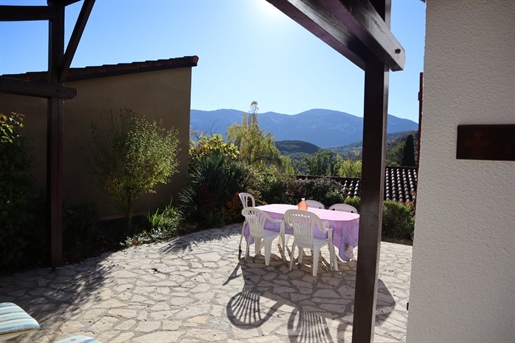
point(345, 226)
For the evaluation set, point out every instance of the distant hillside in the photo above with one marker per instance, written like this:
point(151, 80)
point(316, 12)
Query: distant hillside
point(324, 128)
point(392, 139)
point(291, 147)
point(297, 150)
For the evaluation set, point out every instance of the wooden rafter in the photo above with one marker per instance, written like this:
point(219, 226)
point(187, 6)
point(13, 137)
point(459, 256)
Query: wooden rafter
point(352, 27)
point(53, 90)
point(317, 20)
point(24, 13)
point(87, 6)
point(43, 90)
point(365, 23)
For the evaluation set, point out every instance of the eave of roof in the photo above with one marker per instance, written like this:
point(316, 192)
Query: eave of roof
point(86, 73)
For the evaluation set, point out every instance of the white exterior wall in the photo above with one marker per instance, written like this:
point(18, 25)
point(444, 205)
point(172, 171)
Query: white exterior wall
point(463, 271)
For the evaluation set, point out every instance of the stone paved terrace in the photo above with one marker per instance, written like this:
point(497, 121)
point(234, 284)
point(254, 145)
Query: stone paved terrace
point(196, 289)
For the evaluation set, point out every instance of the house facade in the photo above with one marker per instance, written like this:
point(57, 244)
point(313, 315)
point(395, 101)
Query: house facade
point(160, 90)
point(463, 270)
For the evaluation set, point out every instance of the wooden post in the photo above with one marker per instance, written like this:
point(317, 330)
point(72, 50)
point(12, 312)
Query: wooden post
point(372, 189)
point(55, 139)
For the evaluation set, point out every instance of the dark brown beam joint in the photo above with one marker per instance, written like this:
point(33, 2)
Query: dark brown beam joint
point(362, 19)
point(25, 13)
point(43, 90)
point(61, 2)
point(317, 20)
point(87, 6)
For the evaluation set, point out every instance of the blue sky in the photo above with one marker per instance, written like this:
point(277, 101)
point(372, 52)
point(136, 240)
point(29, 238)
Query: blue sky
point(248, 51)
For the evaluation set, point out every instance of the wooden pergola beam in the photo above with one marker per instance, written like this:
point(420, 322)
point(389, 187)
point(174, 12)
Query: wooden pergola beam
point(362, 19)
point(375, 116)
point(42, 90)
point(55, 114)
point(63, 3)
point(85, 11)
point(319, 21)
point(352, 27)
point(24, 13)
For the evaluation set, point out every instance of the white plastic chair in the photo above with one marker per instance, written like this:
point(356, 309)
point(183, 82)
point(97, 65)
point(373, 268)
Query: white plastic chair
point(303, 224)
point(245, 198)
point(343, 208)
point(256, 220)
point(315, 204)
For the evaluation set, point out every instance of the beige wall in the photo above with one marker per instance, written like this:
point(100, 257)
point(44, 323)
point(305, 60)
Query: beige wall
point(163, 94)
point(463, 270)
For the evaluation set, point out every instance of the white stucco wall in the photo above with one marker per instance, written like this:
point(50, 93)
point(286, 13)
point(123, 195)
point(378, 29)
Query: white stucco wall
point(463, 271)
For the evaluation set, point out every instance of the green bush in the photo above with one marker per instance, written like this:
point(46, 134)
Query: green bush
point(398, 220)
point(325, 190)
point(354, 201)
point(163, 224)
point(273, 188)
point(17, 189)
point(129, 156)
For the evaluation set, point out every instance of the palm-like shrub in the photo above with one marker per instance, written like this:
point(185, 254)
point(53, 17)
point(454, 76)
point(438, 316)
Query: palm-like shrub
point(214, 180)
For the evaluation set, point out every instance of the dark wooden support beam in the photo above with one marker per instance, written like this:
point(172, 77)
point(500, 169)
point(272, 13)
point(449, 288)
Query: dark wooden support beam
point(317, 20)
point(55, 140)
point(24, 13)
point(364, 22)
point(372, 191)
point(43, 90)
point(61, 2)
point(87, 6)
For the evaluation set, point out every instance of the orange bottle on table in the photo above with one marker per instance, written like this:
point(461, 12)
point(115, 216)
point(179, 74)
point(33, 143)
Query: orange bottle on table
point(303, 205)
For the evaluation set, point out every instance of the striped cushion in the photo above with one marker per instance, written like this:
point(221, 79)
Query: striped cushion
point(78, 339)
point(14, 321)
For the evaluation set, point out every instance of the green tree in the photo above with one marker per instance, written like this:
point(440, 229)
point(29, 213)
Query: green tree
point(208, 145)
point(348, 167)
point(394, 156)
point(257, 148)
point(129, 156)
point(408, 156)
point(322, 163)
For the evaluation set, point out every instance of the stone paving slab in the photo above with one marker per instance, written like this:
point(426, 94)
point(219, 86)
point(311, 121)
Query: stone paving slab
point(196, 288)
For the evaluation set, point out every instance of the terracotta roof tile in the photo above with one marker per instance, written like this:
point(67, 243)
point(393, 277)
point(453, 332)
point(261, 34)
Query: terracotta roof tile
point(105, 70)
point(400, 184)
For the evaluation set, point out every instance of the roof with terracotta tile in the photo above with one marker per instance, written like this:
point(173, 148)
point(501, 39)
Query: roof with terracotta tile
point(75, 74)
point(400, 184)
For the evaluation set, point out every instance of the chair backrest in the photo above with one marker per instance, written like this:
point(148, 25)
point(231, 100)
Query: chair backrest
point(303, 224)
point(245, 197)
point(315, 204)
point(256, 220)
point(343, 208)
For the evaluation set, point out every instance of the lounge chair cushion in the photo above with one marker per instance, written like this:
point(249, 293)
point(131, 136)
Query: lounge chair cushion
point(15, 321)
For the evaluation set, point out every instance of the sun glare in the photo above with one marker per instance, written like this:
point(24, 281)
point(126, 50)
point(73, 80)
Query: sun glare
point(268, 9)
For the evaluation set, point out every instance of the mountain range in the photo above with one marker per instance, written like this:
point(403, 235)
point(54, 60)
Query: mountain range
point(324, 128)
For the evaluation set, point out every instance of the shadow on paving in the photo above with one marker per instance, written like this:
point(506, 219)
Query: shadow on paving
point(186, 243)
point(310, 301)
point(52, 298)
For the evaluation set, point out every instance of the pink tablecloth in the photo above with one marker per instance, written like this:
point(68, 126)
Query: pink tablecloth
point(345, 226)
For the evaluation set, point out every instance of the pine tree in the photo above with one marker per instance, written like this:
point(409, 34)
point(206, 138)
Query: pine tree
point(408, 156)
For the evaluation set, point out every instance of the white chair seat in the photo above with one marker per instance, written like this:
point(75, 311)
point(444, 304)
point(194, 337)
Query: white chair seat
point(245, 198)
point(304, 224)
point(343, 208)
point(315, 204)
point(256, 219)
